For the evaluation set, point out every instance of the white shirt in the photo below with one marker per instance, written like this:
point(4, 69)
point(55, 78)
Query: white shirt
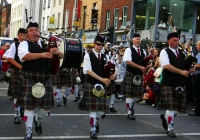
point(12, 51)
point(5, 55)
point(23, 49)
point(162, 25)
point(87, 63)
point(164, 58)
point(158, 72)
point(128, 54)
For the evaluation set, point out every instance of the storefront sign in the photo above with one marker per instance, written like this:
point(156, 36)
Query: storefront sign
point(89, 36)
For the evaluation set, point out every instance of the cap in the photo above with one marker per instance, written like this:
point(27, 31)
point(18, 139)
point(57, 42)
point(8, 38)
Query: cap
point(171, 35)
point(136, 35)
point(99, 38)
point(32, 24)
point(22, 30)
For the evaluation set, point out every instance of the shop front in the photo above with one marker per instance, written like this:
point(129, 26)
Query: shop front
point(88, 37)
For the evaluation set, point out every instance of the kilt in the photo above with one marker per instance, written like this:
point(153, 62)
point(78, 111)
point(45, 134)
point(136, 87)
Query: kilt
point(14, 82)
point(128, 88)
point(93, 102)
point(26, 98)
point(168, 100)
point(61, 80)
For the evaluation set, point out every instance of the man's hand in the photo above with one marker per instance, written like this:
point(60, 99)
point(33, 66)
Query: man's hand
point(184, 73)
point(106, 81)
point(47, 55)
point(143, 69)
point(54, 51)
point(112, 77)
point(192, 70)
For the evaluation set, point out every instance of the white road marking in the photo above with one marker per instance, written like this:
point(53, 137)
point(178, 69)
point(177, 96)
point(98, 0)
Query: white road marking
point(106, 114)
point(100, 136)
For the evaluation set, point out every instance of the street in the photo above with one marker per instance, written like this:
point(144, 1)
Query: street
point(67, 122)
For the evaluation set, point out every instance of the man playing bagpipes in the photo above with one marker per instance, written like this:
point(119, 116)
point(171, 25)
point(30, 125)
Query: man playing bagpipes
point(37, 89)
point(173, 97)
point(16, 66)
point(132, 82)
point(94, 98)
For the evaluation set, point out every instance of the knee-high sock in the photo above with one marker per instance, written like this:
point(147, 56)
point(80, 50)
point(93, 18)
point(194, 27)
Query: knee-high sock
point(93, 117)
point(169, 116)
point(67, 91)
point(101, 114)
point(17, 108)
point(15, 101)
point(76, 90)
point(129, 103)
point(112, 100)
point(28, 118)
point(58, 95)
point(41, 113)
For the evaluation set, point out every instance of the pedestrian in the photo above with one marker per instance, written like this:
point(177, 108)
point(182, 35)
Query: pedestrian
point(173, 75)
point(36, 77)
point(16, 66)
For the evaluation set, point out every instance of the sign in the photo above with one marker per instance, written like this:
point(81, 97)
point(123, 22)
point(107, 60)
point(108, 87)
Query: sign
point(88, 37)
point(94, 16)
point(51, 25)
point(76, 24)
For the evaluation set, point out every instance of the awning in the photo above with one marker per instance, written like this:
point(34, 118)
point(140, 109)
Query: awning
point(86, 44)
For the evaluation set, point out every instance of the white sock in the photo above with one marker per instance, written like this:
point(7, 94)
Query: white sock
point(28, 117)
point(112, 100)
point(93, 118)
point(41, 113)
point(76, 90)
point(15, 101)
point(67, 91)
point(59, 91)
point(169, 116)
point(129, 103)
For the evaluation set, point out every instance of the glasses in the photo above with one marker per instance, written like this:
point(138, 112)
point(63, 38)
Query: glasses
point(99, 44)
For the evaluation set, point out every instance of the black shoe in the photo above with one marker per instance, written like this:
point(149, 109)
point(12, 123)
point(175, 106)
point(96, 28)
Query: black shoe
point(17, 120)
point(76, 99)
point(194, 114)
point(64, 100)
point(164, 121)
point(171, 134)
point(58, 104)
point(28, 137)
point(12, 98)
point(21, 112)
point(38, 125)
point(131, 117)
point(112, 109)
point(93, 133)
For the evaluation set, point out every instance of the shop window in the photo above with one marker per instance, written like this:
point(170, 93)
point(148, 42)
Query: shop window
point(124, 15)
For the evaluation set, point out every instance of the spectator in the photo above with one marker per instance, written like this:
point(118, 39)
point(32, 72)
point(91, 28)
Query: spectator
point(149, 97)
point(162, 25)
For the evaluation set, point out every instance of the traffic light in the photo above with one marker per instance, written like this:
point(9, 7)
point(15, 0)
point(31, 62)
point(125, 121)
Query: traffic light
point(111, 35)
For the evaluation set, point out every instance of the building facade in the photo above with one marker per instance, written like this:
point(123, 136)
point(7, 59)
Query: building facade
point(19, 10)
point(57, 12)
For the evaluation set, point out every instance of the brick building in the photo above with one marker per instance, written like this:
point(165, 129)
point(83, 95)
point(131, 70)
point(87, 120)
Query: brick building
point(116, 13)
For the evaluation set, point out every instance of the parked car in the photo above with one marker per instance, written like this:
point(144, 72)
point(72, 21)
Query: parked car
point(3, 40)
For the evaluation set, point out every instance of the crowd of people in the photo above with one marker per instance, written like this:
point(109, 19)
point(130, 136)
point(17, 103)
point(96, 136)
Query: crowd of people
point(157, 77)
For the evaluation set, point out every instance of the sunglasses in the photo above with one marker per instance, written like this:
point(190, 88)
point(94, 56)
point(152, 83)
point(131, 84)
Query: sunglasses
point(99, 44)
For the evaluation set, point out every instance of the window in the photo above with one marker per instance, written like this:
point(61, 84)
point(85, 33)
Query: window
point(49, 3)
point(95, 8)
point(107, 20)
point(84, 16)
point(43, 23)
point(124, 15)
point(116, 17)
point(47, 22)
point(54, 2)
point(58, 25)
point(66, 20)
point(44, 5)
point(59, 1)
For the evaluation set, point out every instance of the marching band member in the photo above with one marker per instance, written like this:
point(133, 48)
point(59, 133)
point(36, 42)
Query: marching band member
point(94, 93)
point(15, 66)
point(173, 96)
point(132, 82)
point(36, 71)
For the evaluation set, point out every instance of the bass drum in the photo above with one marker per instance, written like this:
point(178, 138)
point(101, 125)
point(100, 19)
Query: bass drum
point(73, 53)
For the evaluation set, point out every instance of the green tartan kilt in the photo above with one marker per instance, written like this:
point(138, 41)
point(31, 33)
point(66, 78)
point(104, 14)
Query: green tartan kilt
point(26, 98)
point(93, 102)
point(128, 88)
point(168, 100)
point(63, 80)
point(14, 82)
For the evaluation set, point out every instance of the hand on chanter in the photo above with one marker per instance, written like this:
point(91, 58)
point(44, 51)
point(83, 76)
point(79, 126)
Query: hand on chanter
point(54, 51)
point(106, 81)
point(112, 77)
point(184, 73)
point(47, 55)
